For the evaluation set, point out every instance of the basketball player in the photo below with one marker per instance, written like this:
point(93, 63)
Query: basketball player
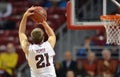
point(40, 54)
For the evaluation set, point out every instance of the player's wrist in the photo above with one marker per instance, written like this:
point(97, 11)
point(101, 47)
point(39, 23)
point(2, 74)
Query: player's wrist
point(25, 16)
point(44, 22)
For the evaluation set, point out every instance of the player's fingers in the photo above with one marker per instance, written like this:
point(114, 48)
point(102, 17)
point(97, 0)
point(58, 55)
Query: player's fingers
point(32, 6)
point(31, 9)
point(31, 13)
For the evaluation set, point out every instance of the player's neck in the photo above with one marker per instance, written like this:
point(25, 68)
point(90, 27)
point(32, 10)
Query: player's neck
point(39, 43)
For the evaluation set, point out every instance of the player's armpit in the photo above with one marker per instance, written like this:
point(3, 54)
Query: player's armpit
point(52, 41)
point(24, 42)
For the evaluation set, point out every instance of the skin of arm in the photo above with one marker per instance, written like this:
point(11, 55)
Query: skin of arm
point(50, 33)
point(22, 36)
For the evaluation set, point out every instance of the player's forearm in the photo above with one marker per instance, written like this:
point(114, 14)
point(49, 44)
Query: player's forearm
point(48, 29)
point(22, 27)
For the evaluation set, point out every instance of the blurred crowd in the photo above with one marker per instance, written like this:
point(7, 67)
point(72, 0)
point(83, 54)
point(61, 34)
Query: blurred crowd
point(8, 61)
point(88, 62)
point(89, 67)
point(11, 11)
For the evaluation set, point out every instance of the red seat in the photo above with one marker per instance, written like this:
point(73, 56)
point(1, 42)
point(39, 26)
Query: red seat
point(4, 40)
point(13, 33)
point(16, 41)
point(20, 3)
point(56, 10)
point(2, 33)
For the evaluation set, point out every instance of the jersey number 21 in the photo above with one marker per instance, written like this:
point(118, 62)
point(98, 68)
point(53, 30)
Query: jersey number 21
point(41, 60)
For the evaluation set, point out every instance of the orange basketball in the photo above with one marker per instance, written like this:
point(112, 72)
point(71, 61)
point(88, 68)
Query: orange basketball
point(39, 15)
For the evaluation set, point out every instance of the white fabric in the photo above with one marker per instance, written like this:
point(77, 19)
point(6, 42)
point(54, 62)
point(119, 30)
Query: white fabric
point(36, 49)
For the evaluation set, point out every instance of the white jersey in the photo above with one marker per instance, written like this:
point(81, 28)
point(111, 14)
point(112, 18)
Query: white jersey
point(40, 60)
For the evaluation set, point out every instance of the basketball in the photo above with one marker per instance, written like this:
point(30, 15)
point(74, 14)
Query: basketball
point(39, 15)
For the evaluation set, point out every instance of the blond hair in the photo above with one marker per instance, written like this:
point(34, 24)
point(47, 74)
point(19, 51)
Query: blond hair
point(37, 35)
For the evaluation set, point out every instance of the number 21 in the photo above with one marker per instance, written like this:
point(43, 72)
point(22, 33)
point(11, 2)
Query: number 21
point(41, 58)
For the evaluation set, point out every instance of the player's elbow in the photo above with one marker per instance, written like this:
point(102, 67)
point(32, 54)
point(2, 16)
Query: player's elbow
point(54, 37)
point(20, 31)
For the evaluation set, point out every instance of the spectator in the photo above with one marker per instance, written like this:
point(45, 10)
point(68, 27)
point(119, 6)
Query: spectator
point(86, 47)
point(80, 71)
point(37, 2)
point(118, 71)
point(48, 4)
point(70, 73)
point(58, 69)
point(3, 73)
point(62, 4)
point(90, 64)
point(106, 67)
point(9, 59)
point(100, 38)
point(68, 63)
point(88, 43)
point(51, 3)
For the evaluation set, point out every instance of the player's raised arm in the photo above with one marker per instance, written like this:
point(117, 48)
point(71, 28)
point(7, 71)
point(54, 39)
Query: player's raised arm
point(50, 33)
point(22, 36)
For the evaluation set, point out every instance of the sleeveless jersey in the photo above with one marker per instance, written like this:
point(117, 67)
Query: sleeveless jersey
point(40, 60)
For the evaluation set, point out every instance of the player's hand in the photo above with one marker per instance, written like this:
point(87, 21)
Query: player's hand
point(30, 11)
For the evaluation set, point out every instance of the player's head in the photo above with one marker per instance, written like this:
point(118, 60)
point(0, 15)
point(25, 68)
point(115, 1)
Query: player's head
point(37, 35)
